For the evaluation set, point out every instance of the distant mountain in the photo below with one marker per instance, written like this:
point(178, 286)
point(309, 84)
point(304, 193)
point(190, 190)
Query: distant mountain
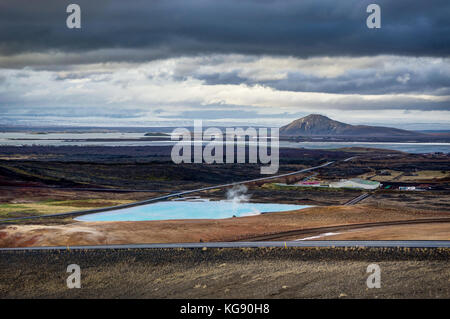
point(319, 125)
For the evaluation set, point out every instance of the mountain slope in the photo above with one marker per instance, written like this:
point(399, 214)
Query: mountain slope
point(319, 125)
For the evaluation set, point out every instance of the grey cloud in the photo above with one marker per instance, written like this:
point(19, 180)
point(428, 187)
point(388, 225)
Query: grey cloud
point(76, 112)
point(92, 76)
point(429, 79)
point(235, 113)
point(366, 82)
point(142, 30)
point(224, 78)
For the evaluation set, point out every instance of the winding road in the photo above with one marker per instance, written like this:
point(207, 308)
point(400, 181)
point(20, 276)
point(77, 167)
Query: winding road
point(357, 199)
point(260, 244)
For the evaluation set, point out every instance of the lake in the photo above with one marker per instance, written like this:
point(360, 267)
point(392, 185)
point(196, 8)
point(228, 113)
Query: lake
point(188, 210)
point(86, 139)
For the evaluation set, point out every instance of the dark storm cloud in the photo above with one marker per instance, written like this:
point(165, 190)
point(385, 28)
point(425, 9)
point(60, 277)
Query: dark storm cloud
point(181, 27)
point(366, 81)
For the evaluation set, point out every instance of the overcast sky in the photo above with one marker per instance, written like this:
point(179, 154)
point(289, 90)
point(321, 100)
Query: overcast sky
point(258, 62)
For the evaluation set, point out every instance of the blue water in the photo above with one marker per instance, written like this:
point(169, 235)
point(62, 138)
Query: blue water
point(414, 148)
point(188, 210)
point(57, 139)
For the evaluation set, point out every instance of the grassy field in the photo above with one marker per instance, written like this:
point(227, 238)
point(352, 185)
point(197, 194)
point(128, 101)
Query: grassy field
point(425, 175)
point(50, 206)
point(400, 176)
point(381, 178)
point(274, 186)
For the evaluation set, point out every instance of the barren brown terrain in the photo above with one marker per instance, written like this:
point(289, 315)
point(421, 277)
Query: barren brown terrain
point(230, 229)
point(438, 231)
point(47, 180)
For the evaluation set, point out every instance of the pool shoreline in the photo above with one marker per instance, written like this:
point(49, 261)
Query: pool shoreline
point(196, 209)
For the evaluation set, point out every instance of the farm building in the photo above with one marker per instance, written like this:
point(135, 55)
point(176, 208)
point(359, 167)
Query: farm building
point(356, 183)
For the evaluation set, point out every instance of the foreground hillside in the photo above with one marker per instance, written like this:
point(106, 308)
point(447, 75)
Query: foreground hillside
point(227, 273)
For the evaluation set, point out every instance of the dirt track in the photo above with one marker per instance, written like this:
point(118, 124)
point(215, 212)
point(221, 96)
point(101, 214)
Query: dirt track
point(433, 231)
point(319, 230)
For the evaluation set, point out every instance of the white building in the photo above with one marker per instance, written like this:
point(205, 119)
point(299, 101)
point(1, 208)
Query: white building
point(356, 183)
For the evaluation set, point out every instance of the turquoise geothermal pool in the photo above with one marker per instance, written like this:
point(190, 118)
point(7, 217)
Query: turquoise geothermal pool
point(188, 210)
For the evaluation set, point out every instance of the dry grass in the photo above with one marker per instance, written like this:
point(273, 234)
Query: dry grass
point(425, 175)
point(226, 273)
point(54, 206)
point(381, 178)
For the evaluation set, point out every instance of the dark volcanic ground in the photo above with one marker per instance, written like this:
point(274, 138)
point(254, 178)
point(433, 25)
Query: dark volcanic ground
point(227, 273)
